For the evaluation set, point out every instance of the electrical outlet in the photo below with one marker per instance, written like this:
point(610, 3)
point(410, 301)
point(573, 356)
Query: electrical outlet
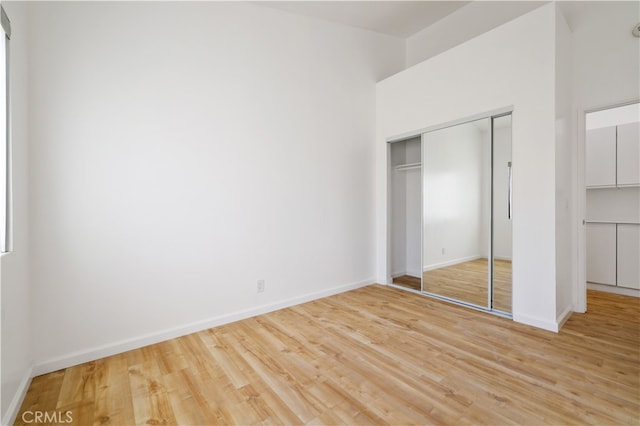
point(443, 251)
point(260, 286)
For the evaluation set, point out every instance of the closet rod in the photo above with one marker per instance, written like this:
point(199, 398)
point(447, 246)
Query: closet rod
point(411, 166)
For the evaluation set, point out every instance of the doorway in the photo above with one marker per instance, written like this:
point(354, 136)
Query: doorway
point(610, 193)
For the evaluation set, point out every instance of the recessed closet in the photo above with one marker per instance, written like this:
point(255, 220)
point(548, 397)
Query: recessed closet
point(406, 224)
point(450, 213)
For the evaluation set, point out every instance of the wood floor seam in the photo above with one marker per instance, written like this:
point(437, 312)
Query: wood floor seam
point(375, 355)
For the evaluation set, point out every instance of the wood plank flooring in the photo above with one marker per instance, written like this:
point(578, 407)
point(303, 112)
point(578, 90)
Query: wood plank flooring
point(408, 281)
point(375, 355)
point(466, 282)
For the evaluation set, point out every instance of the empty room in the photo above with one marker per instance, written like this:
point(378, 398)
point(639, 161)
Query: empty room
point(310, 212)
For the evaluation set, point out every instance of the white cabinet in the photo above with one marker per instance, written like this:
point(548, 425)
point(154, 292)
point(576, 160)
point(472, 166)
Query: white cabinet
point(601, 253)
point(612, 176)
point(628, 153)
point(613, 254)
point(601, 157)
point(613, 156)
point(628, 248)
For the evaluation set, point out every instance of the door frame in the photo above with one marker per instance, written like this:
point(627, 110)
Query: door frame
point(498, 112)
point(580, 290)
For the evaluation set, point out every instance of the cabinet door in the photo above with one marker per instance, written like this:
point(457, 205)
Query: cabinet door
point(601, 157)
point(629, 154)
point(601, 253)
point(629, 256)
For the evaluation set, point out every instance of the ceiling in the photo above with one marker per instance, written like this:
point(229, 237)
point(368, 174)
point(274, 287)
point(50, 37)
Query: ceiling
point(406, 18)
point(395, 18)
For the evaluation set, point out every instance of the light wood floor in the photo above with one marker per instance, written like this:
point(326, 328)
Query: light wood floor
point(467, 282)
point(408, 281)
point(376, 355)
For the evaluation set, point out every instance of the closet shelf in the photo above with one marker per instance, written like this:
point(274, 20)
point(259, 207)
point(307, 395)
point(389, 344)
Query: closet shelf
point(626, 185)
point(409, 166)
point(614, 222)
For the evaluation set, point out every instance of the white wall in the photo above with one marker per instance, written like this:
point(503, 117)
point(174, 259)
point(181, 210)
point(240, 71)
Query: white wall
point(606, 57)
point(605, 68)
point(16, 308)
point(453, 195)
point(182, 151)
point(463, 24)
point(565, 171)
point(512, 65)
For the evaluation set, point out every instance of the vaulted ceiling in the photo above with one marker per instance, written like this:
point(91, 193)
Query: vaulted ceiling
point(402, 18)
point(396, 18)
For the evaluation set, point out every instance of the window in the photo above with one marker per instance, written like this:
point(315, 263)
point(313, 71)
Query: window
point(5, 138)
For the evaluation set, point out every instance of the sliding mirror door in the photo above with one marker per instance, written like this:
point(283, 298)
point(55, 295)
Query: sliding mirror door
point(467, 213)
point(451, 213)
point(457, 213)
point(502, 213)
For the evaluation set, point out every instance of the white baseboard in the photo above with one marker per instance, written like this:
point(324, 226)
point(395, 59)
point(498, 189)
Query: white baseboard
point(16, 402)
point(564, 316)
point(93, 354)
point(426, 268)
point(544, 324)
point(536, 322)
point(613, 289)
point(496, 257)
point(414, 273)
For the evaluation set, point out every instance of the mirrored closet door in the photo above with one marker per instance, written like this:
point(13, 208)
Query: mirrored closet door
point(502, 213)
point(453, 188)
point(457, 212)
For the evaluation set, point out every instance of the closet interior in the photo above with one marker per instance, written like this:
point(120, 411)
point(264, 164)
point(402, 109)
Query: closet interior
point(451, 194)
point(406, 213)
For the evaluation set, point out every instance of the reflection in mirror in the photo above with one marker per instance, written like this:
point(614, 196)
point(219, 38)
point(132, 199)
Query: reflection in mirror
point(457, 212)
point(405, 213)
point(502, 213)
